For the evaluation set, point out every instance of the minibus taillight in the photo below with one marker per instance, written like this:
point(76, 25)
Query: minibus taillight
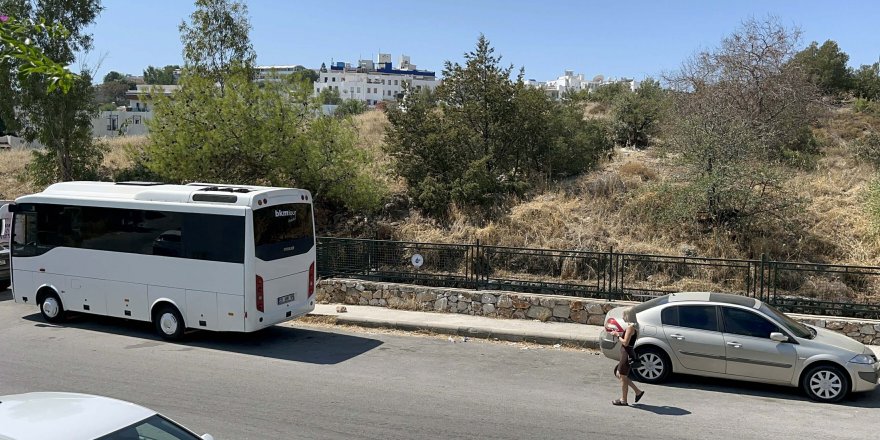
point(311, 279)
point(260, 293)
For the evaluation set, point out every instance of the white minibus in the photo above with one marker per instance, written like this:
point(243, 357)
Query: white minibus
point(200, 256)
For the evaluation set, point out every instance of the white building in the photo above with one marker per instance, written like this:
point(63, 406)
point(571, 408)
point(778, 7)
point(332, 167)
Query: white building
point(571, 83)
point(130, 119)
point(374, 82)
point(139, 98)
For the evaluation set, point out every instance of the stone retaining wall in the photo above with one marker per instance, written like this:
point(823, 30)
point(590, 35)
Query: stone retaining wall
point(513, 305)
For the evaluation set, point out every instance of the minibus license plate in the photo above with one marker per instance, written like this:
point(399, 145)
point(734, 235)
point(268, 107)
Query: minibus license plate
point(285, 299)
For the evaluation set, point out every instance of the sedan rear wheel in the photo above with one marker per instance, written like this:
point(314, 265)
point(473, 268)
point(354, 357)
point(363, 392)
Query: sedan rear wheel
point(655, 366)
point(826, 383)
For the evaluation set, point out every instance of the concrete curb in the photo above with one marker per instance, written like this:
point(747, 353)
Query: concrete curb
point(471, 332)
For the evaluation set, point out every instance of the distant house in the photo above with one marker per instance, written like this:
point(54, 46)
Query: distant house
point(139, 98)
point(130, 119)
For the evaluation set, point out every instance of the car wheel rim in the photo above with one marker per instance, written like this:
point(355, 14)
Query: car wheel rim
point(652, 366)
point(826, 384)
point(50, 307)
point(168, 323)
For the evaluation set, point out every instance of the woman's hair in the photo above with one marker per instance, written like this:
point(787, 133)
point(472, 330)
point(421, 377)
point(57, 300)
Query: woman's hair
point(629, 315)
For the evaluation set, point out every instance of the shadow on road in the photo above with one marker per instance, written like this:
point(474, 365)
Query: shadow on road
point(661, 410)
point(277, 342)
point(870, 399)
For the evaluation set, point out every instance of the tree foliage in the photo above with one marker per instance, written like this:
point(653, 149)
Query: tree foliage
point(739, 112)
point(636, 116)
point(329, 96)
point(216, 40)
point(222, 126)
point(60, 121)
point(484, 136)
point(161, 76)
point(300, 73)
point(826, 66)
point(113, 92)
point(351, 107)
point(257, 134)
point(866, 82)
point(16, 38)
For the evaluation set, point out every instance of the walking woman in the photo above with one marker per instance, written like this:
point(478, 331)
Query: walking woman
point(627, 354)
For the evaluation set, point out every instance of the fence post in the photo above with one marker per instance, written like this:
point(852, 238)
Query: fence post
point(761, 278)
point(478, 265)
point(611, 274)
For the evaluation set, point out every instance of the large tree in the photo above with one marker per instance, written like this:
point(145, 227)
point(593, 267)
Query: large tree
point(60, 121)
point(216, 39)
point(252, 133)
point(741, 112)
point(485, 135)
point(222, 126)
point(826, 65)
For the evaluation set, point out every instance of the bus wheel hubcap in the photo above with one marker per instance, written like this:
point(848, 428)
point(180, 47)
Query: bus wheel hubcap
point(50, 307)
point(168, 323)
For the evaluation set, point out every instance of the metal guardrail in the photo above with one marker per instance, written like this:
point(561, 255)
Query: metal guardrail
point(836, 290)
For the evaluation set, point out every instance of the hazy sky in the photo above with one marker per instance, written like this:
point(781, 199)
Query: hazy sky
point(634, 38)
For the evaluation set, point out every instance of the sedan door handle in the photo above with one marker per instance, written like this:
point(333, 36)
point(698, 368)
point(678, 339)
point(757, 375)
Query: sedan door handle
point(677, 337)
point(735, 344)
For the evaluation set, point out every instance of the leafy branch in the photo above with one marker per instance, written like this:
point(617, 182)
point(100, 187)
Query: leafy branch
point(16, 43)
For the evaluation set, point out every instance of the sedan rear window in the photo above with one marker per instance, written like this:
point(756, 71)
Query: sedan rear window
point(659, 301)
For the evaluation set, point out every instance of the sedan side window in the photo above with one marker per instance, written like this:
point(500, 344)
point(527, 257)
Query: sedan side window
point(746, 323)
point(696, 317)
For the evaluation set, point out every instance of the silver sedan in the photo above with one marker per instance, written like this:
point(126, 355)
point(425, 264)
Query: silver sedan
point(737, 337)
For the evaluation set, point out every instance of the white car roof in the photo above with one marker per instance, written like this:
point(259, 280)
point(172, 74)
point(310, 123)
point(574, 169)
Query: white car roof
point(71, 416)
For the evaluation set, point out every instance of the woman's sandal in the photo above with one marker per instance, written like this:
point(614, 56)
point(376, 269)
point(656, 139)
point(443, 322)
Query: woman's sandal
point(619, 402)
point(639, 396)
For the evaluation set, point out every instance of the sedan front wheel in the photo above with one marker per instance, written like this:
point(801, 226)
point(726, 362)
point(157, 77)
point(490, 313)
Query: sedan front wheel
point(826, 383)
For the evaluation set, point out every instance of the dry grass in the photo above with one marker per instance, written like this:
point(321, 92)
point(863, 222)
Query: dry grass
point(14, 183)
point(371, 127)
point(606, 209)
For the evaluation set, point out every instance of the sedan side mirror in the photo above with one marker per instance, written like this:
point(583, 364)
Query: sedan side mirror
point(207, 437)
point(778, 337)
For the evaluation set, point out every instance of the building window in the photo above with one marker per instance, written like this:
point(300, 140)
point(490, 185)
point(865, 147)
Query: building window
point(359, 89)
point(325, 79)
point(395, 82)
point(375, 90)
point(334, 79)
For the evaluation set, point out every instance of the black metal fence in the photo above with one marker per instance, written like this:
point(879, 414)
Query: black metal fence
point(852, 291)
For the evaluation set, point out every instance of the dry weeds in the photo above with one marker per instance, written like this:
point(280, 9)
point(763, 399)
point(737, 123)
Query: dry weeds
point(14, 182)
point(371, 127)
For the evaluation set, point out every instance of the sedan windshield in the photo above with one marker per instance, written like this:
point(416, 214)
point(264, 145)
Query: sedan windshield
point(793, 326)
point(153, 428)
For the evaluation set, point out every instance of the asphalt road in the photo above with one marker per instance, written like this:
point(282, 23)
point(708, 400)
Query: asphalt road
point(308, 382)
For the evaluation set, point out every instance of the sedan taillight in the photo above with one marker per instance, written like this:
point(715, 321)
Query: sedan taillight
point(612, 325)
